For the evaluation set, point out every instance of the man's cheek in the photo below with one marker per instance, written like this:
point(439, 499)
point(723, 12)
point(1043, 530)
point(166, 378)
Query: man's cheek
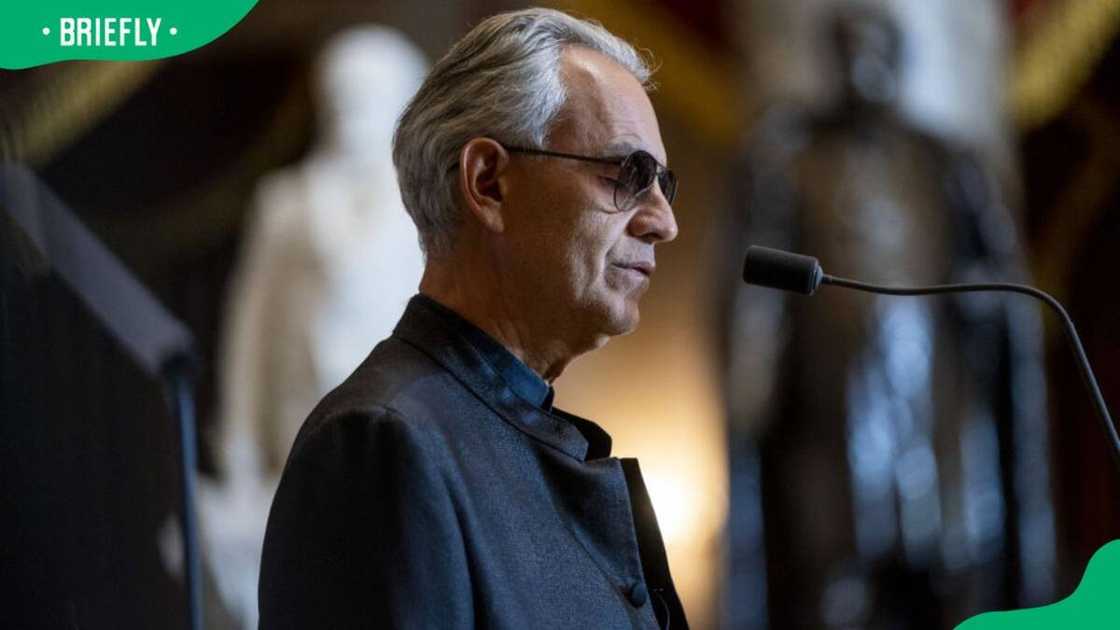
point(583, 276)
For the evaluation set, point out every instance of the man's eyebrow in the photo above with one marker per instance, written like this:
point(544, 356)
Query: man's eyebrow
point(621, 148)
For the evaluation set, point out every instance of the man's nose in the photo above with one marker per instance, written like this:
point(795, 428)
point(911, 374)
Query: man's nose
point(654, 221)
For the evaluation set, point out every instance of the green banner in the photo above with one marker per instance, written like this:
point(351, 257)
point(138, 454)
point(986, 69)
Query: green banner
point(37, 32)
point(1092, 606)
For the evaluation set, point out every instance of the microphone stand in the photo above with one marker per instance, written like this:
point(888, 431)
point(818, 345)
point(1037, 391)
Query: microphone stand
point(159, 344)
point(177, 374)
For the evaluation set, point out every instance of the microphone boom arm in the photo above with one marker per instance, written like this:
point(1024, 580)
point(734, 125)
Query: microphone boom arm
point(786, 271)
point(1067, 325)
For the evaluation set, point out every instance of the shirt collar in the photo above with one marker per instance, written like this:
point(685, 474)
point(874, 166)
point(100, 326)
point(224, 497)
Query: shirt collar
point(434, 330)
point(521, 379)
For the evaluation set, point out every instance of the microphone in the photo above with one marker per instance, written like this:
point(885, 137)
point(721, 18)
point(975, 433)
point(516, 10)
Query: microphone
point(778, 269)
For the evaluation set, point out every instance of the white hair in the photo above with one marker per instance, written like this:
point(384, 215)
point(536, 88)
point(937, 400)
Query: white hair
point(502, 80)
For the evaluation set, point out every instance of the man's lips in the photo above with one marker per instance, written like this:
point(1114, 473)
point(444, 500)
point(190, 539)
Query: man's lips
point(642, 267)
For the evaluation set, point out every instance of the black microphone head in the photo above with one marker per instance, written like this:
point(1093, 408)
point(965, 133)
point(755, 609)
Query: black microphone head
point(777, 269)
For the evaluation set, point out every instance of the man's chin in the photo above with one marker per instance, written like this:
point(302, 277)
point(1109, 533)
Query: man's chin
point(612, 322)
point(625, 318)
point(614, 316)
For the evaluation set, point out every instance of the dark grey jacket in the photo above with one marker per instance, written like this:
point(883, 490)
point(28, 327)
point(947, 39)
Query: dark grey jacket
point(423, 493)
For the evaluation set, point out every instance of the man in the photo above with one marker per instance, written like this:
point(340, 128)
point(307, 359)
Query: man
point(438, 487)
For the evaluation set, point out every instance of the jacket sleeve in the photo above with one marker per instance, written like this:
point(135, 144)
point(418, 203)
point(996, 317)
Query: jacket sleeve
point(363, 533)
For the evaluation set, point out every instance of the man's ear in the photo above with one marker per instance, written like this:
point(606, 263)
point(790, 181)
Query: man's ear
point(482, 163)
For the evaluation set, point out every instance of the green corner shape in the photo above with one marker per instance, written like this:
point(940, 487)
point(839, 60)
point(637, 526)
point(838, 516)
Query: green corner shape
point(1095, 604)
point(39, 32)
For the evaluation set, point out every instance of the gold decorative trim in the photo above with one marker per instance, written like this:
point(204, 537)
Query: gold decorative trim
point(67, 103)
point(1061, 45)
point(1081, 202)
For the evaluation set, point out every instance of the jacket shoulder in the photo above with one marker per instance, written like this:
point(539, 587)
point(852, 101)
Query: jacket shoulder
point(395, 384)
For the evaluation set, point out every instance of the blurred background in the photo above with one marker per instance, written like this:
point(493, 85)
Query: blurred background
point(843, 461)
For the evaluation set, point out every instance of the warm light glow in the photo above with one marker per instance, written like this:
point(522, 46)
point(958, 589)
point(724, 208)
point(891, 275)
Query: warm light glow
point(674, 506)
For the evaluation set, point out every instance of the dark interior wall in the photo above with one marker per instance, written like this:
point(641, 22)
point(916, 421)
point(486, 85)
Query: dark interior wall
point(1071, 167)
point(87, 467)
point(166, 179)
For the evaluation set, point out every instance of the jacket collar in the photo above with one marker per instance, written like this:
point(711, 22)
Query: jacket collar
point(521, 379)
point(430, 330)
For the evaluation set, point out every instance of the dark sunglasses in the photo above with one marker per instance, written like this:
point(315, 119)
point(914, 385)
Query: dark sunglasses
point(636, 174)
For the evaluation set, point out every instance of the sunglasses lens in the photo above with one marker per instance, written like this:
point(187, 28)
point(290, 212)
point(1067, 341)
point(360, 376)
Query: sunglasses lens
point(632, 178)
point(668, 182)
point(637, 173)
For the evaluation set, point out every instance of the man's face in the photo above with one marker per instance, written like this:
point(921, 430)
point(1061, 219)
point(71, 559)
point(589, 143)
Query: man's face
point(581, 262)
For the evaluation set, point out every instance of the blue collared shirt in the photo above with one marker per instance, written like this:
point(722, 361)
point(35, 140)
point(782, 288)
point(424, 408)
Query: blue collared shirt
point(521, 379)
